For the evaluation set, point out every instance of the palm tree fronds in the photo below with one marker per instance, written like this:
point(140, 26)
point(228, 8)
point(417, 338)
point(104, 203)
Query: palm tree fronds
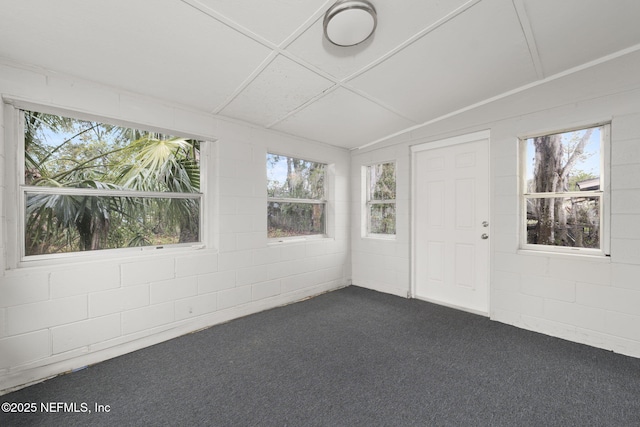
point(104, 157)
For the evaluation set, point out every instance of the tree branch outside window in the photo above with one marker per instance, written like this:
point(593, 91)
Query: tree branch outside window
point(561, 209)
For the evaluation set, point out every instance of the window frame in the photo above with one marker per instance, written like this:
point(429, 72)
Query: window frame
point(323, 202)
point(603, 194)
point(369, 201)
point(18, 190)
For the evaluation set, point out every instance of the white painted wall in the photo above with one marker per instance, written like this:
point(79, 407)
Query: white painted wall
point(60, 317)
point(76, 312)
point(378, 263)
point(596, 302)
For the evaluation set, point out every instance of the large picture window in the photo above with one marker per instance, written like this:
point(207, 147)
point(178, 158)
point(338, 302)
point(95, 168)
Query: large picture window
point(89, 186)
point(296, 203)
point(380, 184)
point(563, 194)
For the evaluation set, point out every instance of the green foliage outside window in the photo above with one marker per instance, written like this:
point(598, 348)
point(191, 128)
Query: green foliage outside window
point(296, 197)
point(563, 195)
point(381, 197)
point(88, 184)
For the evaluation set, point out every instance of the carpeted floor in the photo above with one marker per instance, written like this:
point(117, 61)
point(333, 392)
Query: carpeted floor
point(351, 357)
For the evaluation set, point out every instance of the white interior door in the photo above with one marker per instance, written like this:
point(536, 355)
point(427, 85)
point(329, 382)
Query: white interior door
point(450, 223)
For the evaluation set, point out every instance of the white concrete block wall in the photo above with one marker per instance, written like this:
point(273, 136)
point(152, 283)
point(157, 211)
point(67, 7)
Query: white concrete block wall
point(3, 218)
point(147, 318)
point(174, 289)
point(234, 297)
point(595, 301)
point(25, 289)
point(24, 348)
point(209, 283)
point(118, 300)
point(57, 317)
point(63, 315)
point(45, 314)
point(80, 334)
point(145, 271)
point(82, 280)
point(381, 263)
point(199, 264)
point(196, 306)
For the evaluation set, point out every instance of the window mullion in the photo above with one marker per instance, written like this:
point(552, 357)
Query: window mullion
point(290, 211)
point(107, 192)
point(380, 180)
point(289, 200)
point(567, 194)
point(566, 221)
point(53, 219)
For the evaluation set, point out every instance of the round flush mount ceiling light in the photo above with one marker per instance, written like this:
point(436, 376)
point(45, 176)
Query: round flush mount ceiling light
point(348, 23)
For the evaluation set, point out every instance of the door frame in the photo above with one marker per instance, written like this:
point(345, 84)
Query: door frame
point(447, 142)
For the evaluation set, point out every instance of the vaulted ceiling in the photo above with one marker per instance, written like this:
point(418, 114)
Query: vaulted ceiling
point(266, 62)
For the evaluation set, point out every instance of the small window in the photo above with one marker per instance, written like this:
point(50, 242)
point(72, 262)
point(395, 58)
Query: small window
point(380, 183)
point(563, 194)
point(89, 185)
point(296, 203)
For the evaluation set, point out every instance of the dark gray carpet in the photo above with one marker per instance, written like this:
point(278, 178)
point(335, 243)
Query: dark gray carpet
point(352, 357)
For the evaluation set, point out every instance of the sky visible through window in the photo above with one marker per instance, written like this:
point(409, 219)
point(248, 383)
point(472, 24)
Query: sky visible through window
point(589, 163)
point(277, 169)
point(94, 163)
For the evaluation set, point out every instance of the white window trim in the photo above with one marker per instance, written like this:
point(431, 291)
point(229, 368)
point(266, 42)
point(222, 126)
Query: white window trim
point(15, 192)
point(367, 202)
point(325, 202)
point(604, 194)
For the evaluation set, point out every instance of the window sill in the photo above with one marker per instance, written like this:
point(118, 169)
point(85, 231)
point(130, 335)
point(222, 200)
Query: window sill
point(389, 237)
point(566, 255)
point(107, 255)
point(299, 239)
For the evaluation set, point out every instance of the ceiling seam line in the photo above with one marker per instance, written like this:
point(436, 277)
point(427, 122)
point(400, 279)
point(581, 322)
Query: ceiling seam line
point(525, 24)
point(333, 89)
point(230, 23)
point(377, 102)
point(342, 82)
point(305, 25)
point(263, 65)
point(517, 90)
point(304, 105)
point(440, 22)
point(279, 48)
point(246, 82)
point(276, 50)
point(309, 66)
point(275, 132)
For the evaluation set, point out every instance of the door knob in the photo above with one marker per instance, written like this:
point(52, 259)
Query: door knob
point(484, 236)
point(485, 224)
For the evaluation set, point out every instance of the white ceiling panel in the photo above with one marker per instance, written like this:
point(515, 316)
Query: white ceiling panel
point(266, 61)
point(569, 33)
point(282, 87)
point(344, 119)
point(479, 54)
point(272, 20)
point(397, 22)
point(163, 48)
